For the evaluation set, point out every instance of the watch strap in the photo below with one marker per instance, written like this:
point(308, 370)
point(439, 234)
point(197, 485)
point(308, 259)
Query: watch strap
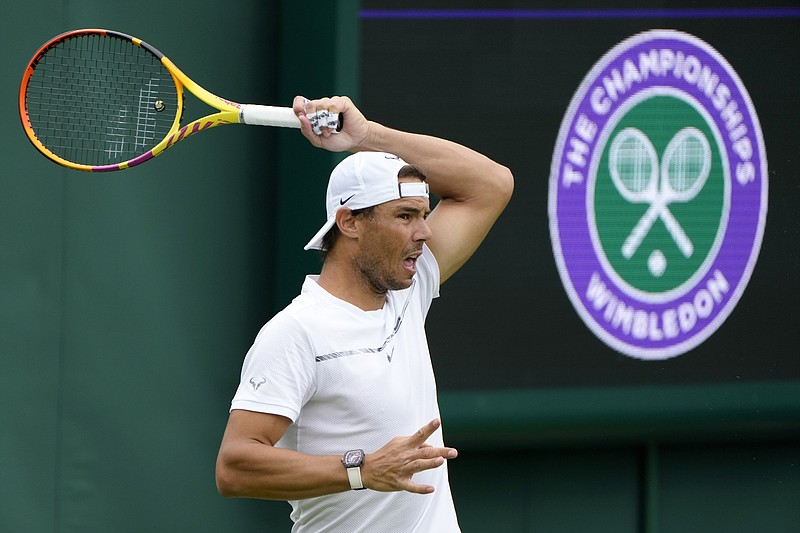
point(354, 475)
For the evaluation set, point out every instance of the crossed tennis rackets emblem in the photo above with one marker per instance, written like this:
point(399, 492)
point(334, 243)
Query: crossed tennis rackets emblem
point(640, 178)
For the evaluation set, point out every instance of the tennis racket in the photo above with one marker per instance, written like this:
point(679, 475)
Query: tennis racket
point(635, 171)
point(99, 100)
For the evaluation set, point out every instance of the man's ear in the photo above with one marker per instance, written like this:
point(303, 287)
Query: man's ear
point(346, 222)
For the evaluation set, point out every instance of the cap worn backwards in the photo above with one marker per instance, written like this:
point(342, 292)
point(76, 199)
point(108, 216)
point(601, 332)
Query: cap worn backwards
point(362, 180)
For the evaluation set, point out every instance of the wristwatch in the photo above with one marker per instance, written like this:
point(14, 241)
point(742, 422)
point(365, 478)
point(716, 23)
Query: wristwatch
point(352, 461)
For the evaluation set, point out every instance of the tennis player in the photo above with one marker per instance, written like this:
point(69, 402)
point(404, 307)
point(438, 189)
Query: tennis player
point(336, 411)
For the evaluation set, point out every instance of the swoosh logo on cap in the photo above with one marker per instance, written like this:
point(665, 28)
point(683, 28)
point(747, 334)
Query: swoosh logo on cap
point(342, 202)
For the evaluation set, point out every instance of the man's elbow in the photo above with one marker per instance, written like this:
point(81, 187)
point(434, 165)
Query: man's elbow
point(224, 485)
point(502, 185)
point(227, 480)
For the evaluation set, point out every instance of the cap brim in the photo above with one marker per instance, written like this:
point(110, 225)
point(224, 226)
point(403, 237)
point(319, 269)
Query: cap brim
point(316, 241)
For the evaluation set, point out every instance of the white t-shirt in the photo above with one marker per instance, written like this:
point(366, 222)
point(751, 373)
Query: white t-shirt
point(349, 378)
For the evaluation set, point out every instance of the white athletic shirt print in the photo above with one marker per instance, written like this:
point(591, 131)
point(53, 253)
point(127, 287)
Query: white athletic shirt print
point(349, 378)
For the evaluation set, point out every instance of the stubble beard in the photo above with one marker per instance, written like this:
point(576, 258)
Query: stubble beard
point(376, 276)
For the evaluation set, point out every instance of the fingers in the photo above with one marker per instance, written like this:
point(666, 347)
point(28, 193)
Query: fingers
point(320, 117)
point(334, 124)
point(426, 451)
point(421, 436)
point(393, 467)
point(418, 489)
point(420, 465)
point(426, 431)
point(414, 467)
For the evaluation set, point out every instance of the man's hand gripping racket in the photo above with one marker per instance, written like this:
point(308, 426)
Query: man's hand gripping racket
point(351, 133)
point(99, 100)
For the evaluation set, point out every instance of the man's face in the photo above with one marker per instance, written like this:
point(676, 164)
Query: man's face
point(391, 243)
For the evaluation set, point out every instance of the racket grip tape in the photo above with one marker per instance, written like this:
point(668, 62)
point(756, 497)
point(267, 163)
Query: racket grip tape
point(264, 115)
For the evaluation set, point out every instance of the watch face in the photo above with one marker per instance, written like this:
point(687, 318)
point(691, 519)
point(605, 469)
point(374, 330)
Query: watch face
point(353, 458)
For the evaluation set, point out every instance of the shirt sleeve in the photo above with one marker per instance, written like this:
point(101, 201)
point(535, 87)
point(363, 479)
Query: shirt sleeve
point(427, 278)
point(278, 374)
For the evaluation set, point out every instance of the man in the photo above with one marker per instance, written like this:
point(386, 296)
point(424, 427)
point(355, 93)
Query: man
point(337, 393)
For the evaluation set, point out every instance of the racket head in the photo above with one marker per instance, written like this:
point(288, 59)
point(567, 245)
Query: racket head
point(686, 164)
point(99, 100)
point(633, 165)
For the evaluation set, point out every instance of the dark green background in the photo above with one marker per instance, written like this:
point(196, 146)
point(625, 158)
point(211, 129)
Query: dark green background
point(505, 89)
point(707, 441)
point(128, 300)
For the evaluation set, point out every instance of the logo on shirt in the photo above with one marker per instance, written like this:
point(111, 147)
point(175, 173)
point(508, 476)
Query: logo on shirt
point(256, 384)
point(658, 194)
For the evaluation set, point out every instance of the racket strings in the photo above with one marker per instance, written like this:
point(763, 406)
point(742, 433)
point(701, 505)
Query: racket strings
point(686, 164)
point(98, 100)
point(635, 165)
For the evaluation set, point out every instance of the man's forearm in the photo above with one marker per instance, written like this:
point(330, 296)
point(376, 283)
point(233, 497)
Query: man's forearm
point(453, 170)
point(257, 470)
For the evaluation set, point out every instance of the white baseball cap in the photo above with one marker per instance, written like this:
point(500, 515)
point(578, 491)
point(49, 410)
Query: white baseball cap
point(363, 180)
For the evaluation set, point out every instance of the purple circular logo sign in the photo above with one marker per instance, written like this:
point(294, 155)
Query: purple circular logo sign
point(658, 194)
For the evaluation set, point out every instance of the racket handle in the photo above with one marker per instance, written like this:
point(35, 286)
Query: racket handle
point(264, 115)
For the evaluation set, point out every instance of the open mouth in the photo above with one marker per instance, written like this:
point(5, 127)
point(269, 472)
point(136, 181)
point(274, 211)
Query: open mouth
point(410, 262)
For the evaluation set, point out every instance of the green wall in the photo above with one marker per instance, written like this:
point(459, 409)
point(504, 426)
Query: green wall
point(686, 459)
point(128, 300)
